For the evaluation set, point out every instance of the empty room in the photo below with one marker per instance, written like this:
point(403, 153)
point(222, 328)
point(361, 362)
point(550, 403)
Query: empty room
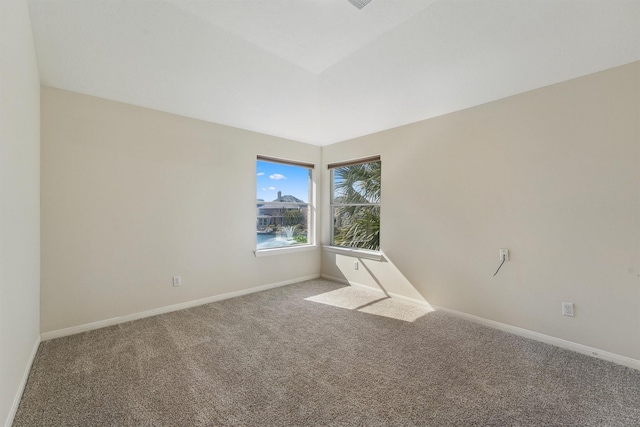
point(320, 213)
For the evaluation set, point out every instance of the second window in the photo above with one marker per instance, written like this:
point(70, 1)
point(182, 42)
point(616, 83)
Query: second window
point(355, 203)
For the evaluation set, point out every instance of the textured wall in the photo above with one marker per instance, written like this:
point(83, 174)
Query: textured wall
point(552, 174)
point(19, 201)
point(132, 197)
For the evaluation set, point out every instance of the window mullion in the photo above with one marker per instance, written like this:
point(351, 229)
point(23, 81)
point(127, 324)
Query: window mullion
point(355, 204)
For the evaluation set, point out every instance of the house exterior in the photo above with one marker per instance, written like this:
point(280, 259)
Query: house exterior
point(283, 211)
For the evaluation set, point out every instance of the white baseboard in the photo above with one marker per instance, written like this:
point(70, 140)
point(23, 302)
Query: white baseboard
point(547, 339)
point(23, 383)
point(536, 336)
point(167, 309)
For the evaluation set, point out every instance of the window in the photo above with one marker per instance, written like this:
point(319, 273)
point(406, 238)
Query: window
point(283, 203)
point(355, 203)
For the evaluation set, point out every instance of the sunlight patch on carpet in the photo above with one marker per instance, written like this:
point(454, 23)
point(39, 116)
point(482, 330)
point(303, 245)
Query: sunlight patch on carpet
point(372, 303)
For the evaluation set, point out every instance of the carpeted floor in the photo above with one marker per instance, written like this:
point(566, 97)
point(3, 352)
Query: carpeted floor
point(319, 354)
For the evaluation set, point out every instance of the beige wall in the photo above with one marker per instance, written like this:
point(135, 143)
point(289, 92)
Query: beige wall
point(553, 175)
point(132, 197)
point(19, 201)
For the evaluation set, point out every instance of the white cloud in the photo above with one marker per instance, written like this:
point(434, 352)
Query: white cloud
point(271, 188)
point(277, 176)
point(260, 173)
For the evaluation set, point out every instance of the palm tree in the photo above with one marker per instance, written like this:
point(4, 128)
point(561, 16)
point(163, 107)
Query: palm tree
point(356, 193)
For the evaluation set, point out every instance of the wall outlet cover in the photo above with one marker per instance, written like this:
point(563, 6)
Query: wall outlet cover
point(567, 309)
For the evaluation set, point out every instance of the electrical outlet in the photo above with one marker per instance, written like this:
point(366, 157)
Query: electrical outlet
point(355, 265)
point(567, 309)
point(177, 281)
point(504, 254)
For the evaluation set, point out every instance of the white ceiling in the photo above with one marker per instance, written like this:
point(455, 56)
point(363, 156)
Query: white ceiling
point(322, 71)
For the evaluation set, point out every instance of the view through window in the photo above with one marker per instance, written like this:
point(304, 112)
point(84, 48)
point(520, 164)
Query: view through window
point(355, 203)
point(283, 203)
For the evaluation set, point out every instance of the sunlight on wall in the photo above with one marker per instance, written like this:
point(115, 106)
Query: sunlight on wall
point(382, 275)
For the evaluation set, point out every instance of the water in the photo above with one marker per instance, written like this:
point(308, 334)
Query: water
point(266, 241)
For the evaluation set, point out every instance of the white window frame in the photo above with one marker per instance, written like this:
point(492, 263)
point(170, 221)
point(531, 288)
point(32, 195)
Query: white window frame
point(344, 250)
point(311, 215)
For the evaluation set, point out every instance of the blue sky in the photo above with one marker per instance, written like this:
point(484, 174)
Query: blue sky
point(274, 177)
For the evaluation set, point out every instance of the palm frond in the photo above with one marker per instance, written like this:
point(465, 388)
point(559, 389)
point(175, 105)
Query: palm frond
point(357, 226)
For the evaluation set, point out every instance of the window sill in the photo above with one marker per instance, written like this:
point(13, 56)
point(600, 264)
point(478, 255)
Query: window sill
point(359, 253)
point(284, 250)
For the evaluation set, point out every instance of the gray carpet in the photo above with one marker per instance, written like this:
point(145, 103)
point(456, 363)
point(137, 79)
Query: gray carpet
point(319, 354)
